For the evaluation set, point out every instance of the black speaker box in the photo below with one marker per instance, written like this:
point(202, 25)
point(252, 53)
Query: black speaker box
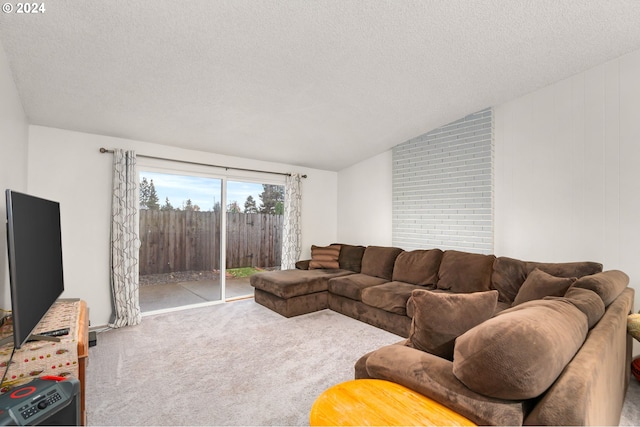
point(51, 401)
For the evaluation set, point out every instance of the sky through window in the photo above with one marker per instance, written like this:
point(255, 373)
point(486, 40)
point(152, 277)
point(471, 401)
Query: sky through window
point(203, 192)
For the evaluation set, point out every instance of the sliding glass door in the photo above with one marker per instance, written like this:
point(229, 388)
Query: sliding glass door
point(180, 240)
point(189, 221)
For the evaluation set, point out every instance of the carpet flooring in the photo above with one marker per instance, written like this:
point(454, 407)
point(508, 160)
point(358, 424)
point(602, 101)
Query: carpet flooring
point(631, 409)
point(232, 364)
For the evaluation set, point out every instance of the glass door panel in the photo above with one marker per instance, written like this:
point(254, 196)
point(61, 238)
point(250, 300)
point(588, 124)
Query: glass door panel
point(180, 230)
point(254, 233)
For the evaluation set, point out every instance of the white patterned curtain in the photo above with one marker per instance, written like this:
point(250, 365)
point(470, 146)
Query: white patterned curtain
point(291, 227)
point(124, 241)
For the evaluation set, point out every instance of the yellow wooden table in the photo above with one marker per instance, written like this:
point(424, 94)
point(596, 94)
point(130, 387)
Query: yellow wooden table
point(633, 325)
point(380, 403)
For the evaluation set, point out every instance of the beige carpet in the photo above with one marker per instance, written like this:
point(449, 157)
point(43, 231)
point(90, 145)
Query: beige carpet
point(232, 364)
point(631, 409)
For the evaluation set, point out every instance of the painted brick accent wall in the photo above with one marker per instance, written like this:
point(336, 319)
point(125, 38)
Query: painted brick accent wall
point(442, 187)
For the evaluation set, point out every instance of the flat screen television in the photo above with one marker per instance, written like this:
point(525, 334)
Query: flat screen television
point(34, 242)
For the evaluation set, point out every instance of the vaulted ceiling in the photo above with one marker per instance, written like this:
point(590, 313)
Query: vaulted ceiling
point(316, 83)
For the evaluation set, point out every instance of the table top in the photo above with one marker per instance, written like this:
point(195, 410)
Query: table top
point(377, 403)
point(39, 358)
point(633, 325)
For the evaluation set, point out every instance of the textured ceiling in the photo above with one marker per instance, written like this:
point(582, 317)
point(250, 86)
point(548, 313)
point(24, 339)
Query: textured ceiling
point(316, 83)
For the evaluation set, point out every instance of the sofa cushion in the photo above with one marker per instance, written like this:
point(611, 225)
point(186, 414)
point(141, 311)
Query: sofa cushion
point(292, 283)
point(351, 257)
point(324, 257)
point(353, 284)
point(378, 261)
point(539, 284)
point(440, 318)
point(390, 296)
point(510, 273)
point(500, 306)
point(419, 267)
point(410, 306)
point(464, 272)
point(587, 302)
point(520, 352)
point(303, 264)
point(608, 284)
point(432, 376)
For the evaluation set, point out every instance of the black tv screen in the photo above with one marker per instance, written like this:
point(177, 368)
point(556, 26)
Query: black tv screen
point(34, 243)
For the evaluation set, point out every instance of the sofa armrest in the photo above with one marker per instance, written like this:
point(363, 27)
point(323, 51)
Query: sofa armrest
point(433, 377)
point(361, 364)
point(599, 374)
point(303, 264)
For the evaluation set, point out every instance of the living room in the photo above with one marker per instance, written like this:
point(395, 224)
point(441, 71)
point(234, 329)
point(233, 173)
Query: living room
point(565, 150)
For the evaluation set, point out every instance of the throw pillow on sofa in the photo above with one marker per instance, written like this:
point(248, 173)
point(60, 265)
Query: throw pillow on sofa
point(519, 353)
point(324, 257)
point(608, 284)
point(509, 273)
point(464, 272)
point(539, 284)
point(439, 318)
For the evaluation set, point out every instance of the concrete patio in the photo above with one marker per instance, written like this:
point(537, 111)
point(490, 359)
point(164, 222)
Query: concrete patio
point(169, 295)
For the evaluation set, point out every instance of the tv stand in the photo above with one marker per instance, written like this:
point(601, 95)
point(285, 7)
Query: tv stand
point(66, 357)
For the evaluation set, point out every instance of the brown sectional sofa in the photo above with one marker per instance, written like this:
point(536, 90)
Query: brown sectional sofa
point(499, 340)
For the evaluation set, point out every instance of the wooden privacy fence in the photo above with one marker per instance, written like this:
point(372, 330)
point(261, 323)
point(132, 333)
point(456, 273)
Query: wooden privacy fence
point(172, 241)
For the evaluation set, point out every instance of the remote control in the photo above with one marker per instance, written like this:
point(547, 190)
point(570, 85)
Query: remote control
point(49, 335)
point(55, 333)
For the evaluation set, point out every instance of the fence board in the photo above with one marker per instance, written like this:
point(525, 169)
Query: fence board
point(172, 241)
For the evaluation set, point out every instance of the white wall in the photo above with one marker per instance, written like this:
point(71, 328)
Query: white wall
point(67, 167)
point(566, 177)
point(566, 170)
point(364, 202)
point(565, 181)
point(14, 132)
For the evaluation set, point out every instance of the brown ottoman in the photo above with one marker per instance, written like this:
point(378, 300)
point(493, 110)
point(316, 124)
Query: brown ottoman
point(294, 292)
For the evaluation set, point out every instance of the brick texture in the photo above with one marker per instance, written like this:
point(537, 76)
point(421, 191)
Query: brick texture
point(442, 187)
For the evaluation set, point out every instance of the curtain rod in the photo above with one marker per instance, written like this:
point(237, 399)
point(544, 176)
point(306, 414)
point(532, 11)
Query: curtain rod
point(104, 150)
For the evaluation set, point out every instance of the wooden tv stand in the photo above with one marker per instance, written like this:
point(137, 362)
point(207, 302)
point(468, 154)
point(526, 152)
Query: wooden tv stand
point(68, 357)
